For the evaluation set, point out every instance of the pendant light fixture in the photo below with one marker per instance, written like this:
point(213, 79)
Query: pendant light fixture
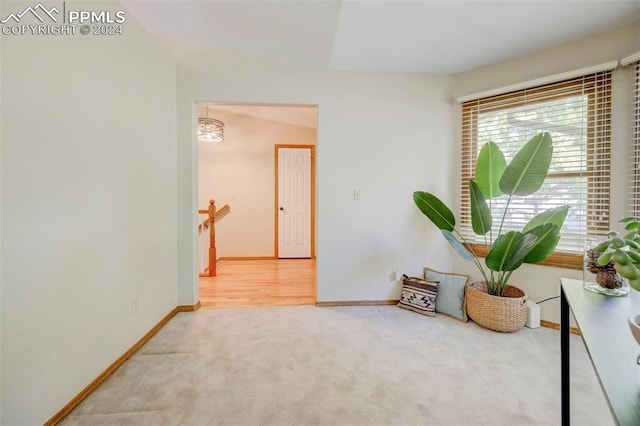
point(210, 129)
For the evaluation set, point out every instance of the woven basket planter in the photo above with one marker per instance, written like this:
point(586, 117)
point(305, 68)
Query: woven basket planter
point(507, 313)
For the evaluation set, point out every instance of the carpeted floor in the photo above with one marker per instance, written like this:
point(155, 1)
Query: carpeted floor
point(378, 365)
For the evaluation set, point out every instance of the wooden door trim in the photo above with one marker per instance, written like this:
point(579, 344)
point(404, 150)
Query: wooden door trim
point(312, 148)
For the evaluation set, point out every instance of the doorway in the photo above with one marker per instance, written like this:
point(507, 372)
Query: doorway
point(243, 172)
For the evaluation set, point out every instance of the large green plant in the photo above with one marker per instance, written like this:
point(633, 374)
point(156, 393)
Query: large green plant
point(523, 176)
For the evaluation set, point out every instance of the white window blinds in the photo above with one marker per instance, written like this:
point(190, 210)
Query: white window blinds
point(577, 114)
point(635, 156)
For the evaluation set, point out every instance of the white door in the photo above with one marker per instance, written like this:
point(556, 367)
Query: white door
point(294, 202)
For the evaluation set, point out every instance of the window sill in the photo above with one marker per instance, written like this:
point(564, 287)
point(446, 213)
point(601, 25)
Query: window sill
point(557, 260)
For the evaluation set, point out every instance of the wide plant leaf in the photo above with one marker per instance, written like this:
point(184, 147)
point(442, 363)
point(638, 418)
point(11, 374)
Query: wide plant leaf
point(435, 210)
point(509, 251)
point(548, 236)
point(457, 245)
point(553, 216)
point(481, 220)
point(528, 169)
point(489, 168)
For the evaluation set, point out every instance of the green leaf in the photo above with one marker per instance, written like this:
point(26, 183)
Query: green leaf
point(620, 257)
point(635, 284)
point(457, 245)
point(548, 236)
point(629, 271)
point(435, 210)
point(600, 248)
point(626, 219)
point(632, 225)
point(617, 242)
point(481, 220)
point(528, 169)
point(524, 248)
point(635, 256)
point(553, 216)
point(489, 168)
point(632, 244)
point(509, 251)
point(605, 257)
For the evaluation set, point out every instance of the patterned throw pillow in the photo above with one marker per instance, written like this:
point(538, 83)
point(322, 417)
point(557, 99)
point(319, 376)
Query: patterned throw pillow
point(419, 295)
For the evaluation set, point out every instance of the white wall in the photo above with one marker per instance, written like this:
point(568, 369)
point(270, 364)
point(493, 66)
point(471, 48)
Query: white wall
point(88, 185)
point(240, 172)
point(540, 282)
point(1, 363)
point(384, 134)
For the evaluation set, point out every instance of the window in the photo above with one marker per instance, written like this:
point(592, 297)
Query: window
point(635, 135)
point(577, 114)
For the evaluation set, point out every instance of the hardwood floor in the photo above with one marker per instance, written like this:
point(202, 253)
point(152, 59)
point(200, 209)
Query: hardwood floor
point(260, 283)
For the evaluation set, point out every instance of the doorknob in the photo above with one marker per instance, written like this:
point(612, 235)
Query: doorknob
point(281, 209)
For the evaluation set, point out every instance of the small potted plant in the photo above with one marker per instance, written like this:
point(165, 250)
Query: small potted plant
point(617, 257)
point(622, 253)
point(493, 303)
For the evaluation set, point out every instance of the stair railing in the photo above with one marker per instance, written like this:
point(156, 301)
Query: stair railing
point(207, 246)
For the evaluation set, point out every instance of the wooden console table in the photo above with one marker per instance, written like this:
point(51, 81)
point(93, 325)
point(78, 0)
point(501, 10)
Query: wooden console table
point(613, 350)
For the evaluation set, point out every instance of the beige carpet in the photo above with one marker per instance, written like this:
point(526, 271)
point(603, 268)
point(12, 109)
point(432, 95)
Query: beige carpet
point(342, 366)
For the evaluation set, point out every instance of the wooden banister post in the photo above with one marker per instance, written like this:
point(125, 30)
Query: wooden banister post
point(212, 238)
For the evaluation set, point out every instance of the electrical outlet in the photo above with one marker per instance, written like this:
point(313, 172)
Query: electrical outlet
point(356, 195)
point(134, 305)
point(394, 274)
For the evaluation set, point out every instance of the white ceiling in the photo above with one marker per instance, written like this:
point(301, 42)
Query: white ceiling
point(422, 36)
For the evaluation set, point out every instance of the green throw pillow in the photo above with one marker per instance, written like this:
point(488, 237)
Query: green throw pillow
point(450, 298)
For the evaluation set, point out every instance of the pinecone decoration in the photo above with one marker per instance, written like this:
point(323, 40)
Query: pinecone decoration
point(606, 275)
